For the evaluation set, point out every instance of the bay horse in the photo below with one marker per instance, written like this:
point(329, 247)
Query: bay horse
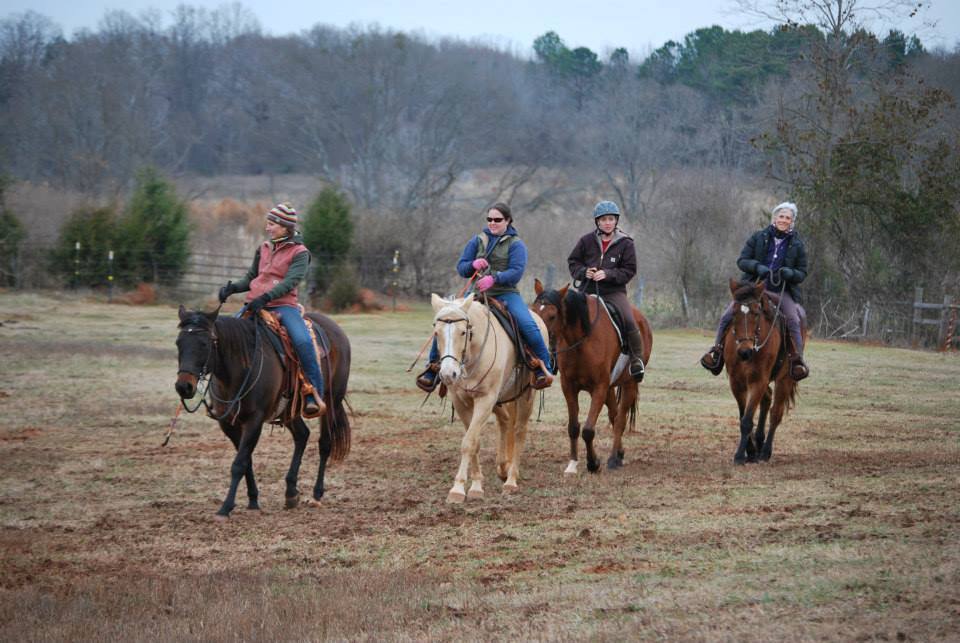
point(755, 357)
point(589, 358)
point(246, 377)
point(478, 365)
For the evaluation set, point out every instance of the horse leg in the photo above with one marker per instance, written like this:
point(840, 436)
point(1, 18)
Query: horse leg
point(253, 493)
point(597, 398)
point(628, 395)
point(470, 446)
point(324, 446)
point(242, 466)
point(573, 425)
point(753, 448)
point(779, 407)
point(754, 395)
point(300, 433)
point(505, 440)
point(522, 409)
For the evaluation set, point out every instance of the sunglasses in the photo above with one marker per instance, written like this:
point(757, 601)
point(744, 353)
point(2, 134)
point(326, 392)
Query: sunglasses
point(493, 220)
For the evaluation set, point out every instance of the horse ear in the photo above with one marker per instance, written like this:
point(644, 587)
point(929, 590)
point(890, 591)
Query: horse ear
point(734, 284)
point(436, 301)
point(182, 313)
point(563, 292)
point(467, 302)
point(537, 286)
point(212, 316)
point(758, 290)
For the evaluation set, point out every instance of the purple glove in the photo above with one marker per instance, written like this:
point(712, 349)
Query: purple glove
point(480, 264)
point(484, 283)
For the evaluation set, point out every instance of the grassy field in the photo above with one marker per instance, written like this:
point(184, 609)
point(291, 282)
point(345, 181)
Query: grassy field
point(851, 532)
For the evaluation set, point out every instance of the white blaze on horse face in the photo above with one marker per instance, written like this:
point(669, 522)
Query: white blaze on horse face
point(744, 309)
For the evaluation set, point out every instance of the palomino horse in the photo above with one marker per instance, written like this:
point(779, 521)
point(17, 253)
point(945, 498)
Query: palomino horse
point(246, 387)
point(755, 357)
point(478, 364)
point(589, 357)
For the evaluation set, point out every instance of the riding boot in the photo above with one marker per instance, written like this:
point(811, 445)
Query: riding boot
point(635, 344)
point(798, 368)
point(427, 380)
point(542, 378)
point(712, 360)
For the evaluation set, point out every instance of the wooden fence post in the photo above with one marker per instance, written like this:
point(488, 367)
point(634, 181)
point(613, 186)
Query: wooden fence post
point(944, 320)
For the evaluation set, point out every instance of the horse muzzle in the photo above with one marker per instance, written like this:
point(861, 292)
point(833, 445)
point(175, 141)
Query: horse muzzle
point(186, 385)
point(745, 354)
point(450, 373)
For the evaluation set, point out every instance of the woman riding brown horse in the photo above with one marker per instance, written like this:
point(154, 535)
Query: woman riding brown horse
point(755, 356)
point(246, 389)
point(590, 359)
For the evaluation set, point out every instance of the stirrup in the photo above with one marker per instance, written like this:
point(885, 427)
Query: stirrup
point(798, 368)
point(713, 360)
point(637, 370)
point(313, 407)
point(428, 380)
point(542, 380)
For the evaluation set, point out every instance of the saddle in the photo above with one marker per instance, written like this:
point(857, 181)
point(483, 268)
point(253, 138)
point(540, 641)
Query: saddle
point(295, 384)
point(618, 325)
point(509, 324)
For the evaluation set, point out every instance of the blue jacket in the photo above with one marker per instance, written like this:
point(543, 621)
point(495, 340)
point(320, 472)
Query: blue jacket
point(516, 259)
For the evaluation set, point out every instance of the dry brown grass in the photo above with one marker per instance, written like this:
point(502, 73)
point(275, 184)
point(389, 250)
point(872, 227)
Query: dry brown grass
point(850, 533)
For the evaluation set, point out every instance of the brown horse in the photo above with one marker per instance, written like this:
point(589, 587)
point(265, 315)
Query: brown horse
point(755, 356)
point(589, 358)
point(246, 377)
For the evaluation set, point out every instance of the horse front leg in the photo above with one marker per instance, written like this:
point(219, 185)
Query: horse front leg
point(242, 466)
point(779, 407)
point(469, 447)
point(597, 398)
point(754, 395)
point(628, 396)
point(506, 441)
point(570, 394)
point(301, 434)
point(754, 446)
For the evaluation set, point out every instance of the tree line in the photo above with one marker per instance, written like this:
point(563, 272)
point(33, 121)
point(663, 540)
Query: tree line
point(860, 128)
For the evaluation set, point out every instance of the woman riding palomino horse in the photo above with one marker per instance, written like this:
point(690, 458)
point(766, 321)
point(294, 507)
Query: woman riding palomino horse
point(603, 262)
point(500, 256)
point(775, 254)
point(278, 266)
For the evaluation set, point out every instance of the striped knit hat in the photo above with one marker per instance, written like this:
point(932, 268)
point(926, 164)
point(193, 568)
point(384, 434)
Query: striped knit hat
point(284, 214)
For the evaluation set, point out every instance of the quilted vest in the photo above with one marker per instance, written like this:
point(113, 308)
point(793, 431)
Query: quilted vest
point(498, 258)
point(274, 263)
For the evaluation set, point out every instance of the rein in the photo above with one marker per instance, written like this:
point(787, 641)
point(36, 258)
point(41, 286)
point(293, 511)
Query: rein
point(757, 344)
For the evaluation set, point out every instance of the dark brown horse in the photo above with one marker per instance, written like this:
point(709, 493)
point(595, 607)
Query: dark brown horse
point(589, 358)
point(245, 386)
point(755, 357)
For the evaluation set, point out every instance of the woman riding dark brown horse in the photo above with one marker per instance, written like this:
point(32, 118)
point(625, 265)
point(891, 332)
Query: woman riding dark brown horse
point(755, 356)
point(246, 388)
point(590, 359)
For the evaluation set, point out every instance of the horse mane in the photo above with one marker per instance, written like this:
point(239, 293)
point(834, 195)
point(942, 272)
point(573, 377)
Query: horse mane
point(236, 338)
point(576, 310)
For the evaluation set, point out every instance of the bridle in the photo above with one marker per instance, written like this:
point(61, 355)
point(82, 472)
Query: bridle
point(464, 360)
point(746, 309)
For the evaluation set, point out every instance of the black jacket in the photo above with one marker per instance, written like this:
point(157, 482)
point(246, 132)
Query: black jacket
point(619, 262)
point(754, 254)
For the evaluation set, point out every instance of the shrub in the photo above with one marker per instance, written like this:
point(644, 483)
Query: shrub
point(328, 233)
point(95, 229)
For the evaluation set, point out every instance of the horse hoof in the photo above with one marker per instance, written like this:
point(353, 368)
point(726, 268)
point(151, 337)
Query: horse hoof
point(291, 502)
point(475, 494)
point(739, 461)
point(571, 469)
point(456, 498)
point(312, 502)
point(614, 463)
point(221, 517)
point(593, 467)
point(510, 488)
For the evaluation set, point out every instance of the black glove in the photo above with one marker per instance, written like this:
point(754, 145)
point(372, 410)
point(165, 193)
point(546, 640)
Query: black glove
point(762, 271)
point(788, 274)
point(226, 291)
point(258, 303)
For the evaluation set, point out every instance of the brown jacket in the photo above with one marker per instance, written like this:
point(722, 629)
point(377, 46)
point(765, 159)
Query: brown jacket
point(619, 262)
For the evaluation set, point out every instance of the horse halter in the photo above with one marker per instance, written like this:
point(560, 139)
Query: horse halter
point(205, 369)
point(469, 335)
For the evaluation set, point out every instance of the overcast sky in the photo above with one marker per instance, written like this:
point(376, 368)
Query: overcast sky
point(601, 25)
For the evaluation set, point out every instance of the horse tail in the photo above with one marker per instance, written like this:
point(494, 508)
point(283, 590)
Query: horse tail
point(336, 423)
point(632, 417)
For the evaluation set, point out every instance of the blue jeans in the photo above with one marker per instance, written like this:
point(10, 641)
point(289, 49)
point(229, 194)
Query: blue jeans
point(291, 319)
point(528, 329)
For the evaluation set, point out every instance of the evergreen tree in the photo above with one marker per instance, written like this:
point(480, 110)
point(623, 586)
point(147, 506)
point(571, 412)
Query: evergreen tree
point(95, 229)
point(328, 234)
point(154, 233)
point(12, 233)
